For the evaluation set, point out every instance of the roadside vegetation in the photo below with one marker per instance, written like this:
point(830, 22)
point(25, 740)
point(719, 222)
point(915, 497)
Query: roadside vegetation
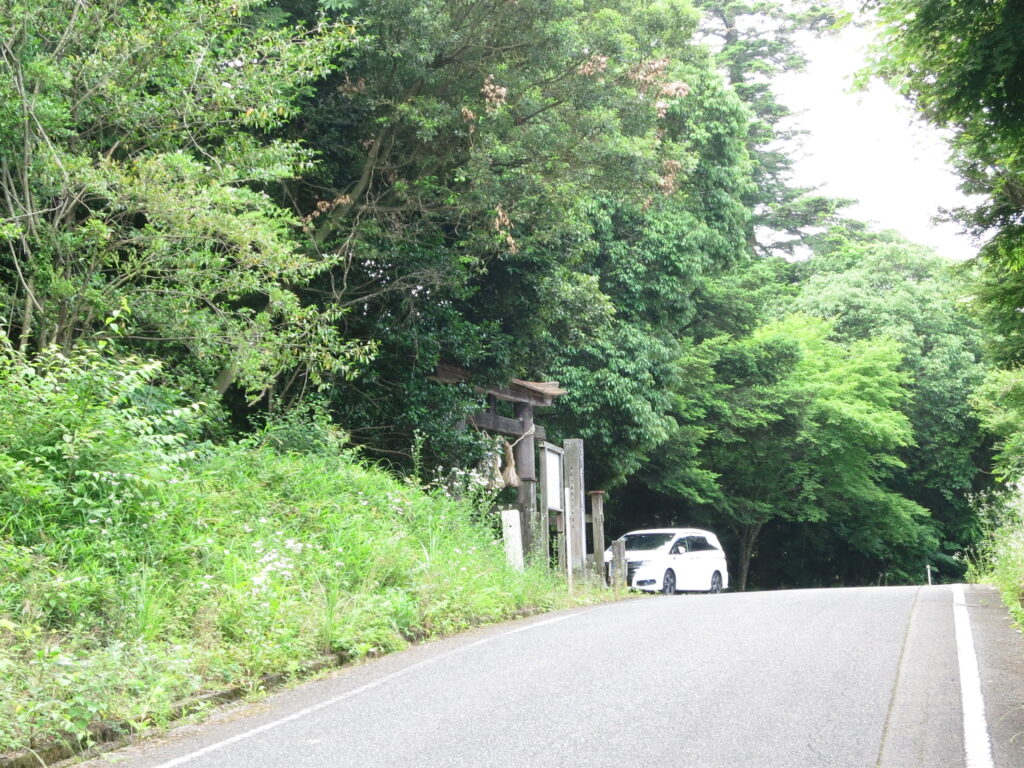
point(1007, 570)
point(999, 557)
point(143, 564)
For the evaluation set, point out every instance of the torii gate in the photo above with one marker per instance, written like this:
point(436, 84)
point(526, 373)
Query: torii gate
point(524, 395)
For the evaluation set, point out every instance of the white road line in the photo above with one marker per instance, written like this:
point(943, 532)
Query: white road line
point(977, 749)
point(349, 694)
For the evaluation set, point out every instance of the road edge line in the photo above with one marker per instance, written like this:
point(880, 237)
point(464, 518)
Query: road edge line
point(977, 747)
point(203, 751)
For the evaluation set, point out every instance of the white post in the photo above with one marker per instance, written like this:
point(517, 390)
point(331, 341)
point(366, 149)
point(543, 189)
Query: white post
point(511, 528)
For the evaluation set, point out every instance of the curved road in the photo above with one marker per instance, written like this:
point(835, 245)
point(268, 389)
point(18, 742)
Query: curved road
point(799, 679)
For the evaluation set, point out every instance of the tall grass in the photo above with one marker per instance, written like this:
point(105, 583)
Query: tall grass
point(1000, 557)
point(140, 565)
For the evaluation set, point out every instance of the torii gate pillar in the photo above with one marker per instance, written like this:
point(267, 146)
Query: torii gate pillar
point(526, 468)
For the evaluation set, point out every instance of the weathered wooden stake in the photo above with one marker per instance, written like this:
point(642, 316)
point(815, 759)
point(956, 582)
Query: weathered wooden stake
point(563, 558)
point(575, 535)
point(597, 524)
point(526, 468)
point(618, 575)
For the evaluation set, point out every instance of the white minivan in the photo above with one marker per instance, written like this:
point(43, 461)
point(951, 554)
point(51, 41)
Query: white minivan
point(674, 559)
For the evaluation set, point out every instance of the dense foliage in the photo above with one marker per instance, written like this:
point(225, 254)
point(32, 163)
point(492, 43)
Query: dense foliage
point(133, 158)
point(848, 441)
point(802, 428)
point(535, 209)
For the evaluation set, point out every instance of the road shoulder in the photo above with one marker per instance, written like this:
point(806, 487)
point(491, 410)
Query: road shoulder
point(924, 726)
point(1000, 650)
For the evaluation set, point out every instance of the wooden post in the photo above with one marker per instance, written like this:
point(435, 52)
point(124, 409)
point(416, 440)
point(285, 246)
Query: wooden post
point(563, 558)
point(597, 525)
point(575, 535)
point(526, 468)
point(618, 575)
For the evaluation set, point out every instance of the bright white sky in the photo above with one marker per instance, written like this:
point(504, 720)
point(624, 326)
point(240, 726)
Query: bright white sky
point(868, 146)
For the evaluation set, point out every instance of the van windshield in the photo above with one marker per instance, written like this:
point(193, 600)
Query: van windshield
point(642, 541)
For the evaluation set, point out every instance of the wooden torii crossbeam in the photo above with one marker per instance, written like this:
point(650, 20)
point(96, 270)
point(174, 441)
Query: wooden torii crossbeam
point(525, 396)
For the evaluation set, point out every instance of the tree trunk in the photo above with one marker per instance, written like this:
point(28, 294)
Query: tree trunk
point(25, 337)
point(226, 378)
point(748, 541)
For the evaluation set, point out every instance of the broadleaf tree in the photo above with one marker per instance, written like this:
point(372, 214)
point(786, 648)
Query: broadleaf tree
point(474, 153)
point(880, 284)
point(134, 159)
point(800, 427)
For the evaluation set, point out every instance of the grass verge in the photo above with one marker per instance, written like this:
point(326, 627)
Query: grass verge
point(141, 567)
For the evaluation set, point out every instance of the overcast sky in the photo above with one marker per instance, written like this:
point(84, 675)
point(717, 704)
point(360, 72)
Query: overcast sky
point(869, 147)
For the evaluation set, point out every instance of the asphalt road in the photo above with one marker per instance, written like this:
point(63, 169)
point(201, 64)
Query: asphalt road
point(796, 679)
